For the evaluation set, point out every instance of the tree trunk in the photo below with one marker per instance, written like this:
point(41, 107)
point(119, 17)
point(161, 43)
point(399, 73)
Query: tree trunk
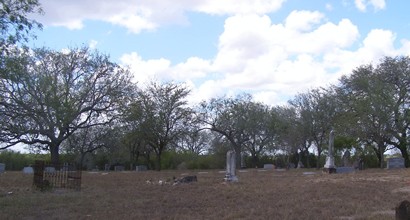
point(402, 146)
point(55, 156)
point(238, 156)
point(255, 160)
point(307, 158)
point(381, 150)
point(319, 154)
point(158, 162)
point(82, 160)
point(134, 159)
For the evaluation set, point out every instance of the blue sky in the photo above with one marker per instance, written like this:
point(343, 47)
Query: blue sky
point(273, 49)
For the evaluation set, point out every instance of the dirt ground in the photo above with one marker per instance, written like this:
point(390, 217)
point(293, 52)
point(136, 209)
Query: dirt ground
point(272, 194)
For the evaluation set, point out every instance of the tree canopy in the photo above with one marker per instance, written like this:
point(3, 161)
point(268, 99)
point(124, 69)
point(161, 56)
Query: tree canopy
point(14, 25)
point(45, 96)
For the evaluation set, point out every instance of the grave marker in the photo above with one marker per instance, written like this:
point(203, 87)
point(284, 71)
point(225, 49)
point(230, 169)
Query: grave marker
point(28, 170)
point(330, 160)
point(119, 168)
point(50, 169)
point(141, 168)
point(268, 166)
point(395, 162)
point(231, 166)
point(345, 169)
point(346, 159)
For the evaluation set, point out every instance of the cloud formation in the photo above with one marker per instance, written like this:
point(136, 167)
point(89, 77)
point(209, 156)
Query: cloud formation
point(274, 61)
point(362, 5)
point(271, 60)
point(139, 15)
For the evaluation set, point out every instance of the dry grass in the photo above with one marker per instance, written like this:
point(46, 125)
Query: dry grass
point(369, 194)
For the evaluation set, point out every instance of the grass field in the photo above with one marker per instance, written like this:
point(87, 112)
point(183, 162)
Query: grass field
point(368, 194)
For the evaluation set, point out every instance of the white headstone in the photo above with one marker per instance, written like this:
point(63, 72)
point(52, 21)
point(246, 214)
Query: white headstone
point(119, 168)
point(395, 162)
point(300, 165)
point(28, 170)
point(231, 166)
point(141, 168)
point(50, 169)
point(330, 160)
point(2, 167)
point(268, 166)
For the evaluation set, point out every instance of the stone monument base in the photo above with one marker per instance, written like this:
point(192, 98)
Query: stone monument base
point(231, 178)
point(329, 170)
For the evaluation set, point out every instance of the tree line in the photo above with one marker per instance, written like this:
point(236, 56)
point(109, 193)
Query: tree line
point(79, 102)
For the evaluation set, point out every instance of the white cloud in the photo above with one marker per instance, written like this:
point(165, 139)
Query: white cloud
point(92, 44)
point(274, 61)
point(232, 7)
point(303, 20)
point(133, 23)
point(145, 70)
point(363, 4)
point(193, 68)
point(329, 7)
point(139, 15)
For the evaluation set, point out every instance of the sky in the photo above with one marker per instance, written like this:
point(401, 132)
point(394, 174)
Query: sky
point(272, 49)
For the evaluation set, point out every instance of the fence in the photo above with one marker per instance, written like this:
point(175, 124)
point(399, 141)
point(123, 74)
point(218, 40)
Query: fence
point(56, 176)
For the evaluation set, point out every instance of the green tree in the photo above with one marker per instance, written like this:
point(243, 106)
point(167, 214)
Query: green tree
point(395, 75)
point(247, 125)
point(46, 96)
point(228, 117)
point(317, 109)
point(194, 141)
point(14, 25)
point(161, 115)
point(261, 127)
point(293, 131)
point(377, 99)
point(88, 140)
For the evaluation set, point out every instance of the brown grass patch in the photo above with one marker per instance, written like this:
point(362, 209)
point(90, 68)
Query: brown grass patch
point(369, 194)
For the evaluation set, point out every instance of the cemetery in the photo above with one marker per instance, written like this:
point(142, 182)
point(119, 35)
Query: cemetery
point(196, 194)
point(303, 117)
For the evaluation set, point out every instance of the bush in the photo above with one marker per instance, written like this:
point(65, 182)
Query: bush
point(17, 161)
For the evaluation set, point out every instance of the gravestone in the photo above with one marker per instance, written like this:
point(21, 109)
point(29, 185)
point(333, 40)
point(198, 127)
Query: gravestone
point(268, 166)
point(330, 160)
point(403, 210)
point(141, 168)
point(395, 162)
point(230, 175)
point(345, 169)
point(28, 170)
point(50, 169)
point(346, 159)
point(182, 166)
point(2, 167)
point(359, 164)
point(119, 168)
